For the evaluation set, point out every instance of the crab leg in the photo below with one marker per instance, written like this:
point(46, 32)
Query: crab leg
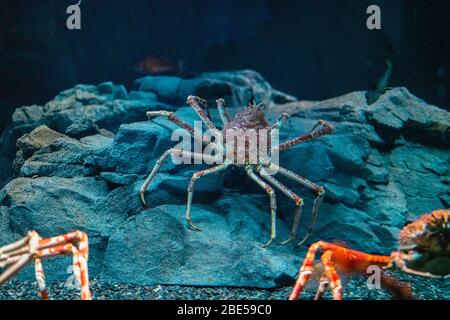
point(172, 117)
point(162, 160)
point(321, 128)
point(40, 278)
point(7, 261)
point(222, 111)
point(14, 246)
point(60, 246)
point(401, 265)
point(21, 255)
point(323, 286)
point(298, 201)
point(15, 268)
point(306, 270)
point(190, 189)
point(332, 275)
point(79, 265)
point(280, 122)
point(194, 101)
point(336, 257)
point(317, 201)
point(34, 247)
point(273, 202)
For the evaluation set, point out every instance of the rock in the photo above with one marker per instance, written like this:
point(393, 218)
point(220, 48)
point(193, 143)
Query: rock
point(63, 158)
point(417, 171)
point(52, 206)
point(341, 194)
point(117, 92)
point(81, 111)
point(311, 160)
point(383, 166)
point(397, 113)
point(376, 174)
point(27, 114)
point(236, 87)
point(87, 109)
point(85, 127)
point(118, 178)
point(399, 110)
point(159, 249)
point(348, 153)
point(29, 143)
point(135, 148)
point(207, 189)
point(52, 154)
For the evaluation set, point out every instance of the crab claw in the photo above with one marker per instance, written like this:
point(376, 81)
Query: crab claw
point(303, 240)
point(268, 243)
point(142, 195)
point(193, 226)
point(287, 240)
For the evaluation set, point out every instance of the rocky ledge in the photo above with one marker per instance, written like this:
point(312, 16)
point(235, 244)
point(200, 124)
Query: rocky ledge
point(78, 163)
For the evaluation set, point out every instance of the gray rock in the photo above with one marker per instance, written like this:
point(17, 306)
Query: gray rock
point(155, 247)
point(384, 165)
point(376, 174)
point(119, 178)
point(135, 148)
point(29, 143)
point(397, 113)
point(53, 206)
point(62, 157)
point(236, 87)
point(339, 193)
point(207, 189)
point(83, 128)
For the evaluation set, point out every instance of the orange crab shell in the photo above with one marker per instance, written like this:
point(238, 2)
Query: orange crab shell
point(425, 244)
point(417, 232)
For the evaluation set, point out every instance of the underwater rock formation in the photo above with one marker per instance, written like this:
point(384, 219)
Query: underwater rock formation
point(78, 163)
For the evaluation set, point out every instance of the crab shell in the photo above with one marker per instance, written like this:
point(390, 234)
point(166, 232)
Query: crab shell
point(252, 118)
point(425, 243)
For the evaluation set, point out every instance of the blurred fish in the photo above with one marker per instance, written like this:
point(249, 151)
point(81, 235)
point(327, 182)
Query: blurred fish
point(153, 65)
point(382, 85)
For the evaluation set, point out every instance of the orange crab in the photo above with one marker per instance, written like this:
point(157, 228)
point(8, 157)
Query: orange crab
point(424, 249)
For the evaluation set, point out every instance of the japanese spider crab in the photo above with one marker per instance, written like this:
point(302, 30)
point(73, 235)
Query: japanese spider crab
point(252, 118)
point(16, 255)
point(424, 250)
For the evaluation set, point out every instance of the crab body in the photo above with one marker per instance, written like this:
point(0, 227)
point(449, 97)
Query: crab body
point(250, 129)
point(424, 245)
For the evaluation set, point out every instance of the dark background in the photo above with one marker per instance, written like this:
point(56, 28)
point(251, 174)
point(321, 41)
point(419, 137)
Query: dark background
point(311, 49)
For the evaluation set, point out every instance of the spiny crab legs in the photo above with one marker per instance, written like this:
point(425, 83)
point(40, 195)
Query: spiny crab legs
point(424, 250)
point(252, 118)
point(16, 255)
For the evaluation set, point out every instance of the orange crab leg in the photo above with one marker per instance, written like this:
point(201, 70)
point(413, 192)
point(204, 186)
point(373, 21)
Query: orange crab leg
point(306, 270)
point(79, 255)
point(335, 258)
point(16, 255)
point(332, 275)
point(40, 278)
point(323, 286)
